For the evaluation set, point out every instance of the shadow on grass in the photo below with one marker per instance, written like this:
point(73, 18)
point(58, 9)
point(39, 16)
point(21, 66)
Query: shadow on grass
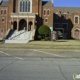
point(62, 41)
point(1, 41)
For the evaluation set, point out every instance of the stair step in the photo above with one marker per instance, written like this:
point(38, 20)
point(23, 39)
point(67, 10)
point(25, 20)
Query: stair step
point(19, 37)
point(16, 41)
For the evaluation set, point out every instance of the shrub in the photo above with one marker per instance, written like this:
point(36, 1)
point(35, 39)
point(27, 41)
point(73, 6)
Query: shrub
point(46, 38)
point(39, 36)
point(43, 30)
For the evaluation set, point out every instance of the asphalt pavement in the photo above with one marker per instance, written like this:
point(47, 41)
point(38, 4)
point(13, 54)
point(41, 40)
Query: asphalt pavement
point(44, 53)
point(39, 64)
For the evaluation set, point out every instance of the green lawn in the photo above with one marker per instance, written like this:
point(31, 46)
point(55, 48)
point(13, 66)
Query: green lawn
point(60, 44)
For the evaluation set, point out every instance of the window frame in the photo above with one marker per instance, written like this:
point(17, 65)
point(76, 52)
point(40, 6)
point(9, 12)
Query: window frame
point(63, 27)
point(44, 11)
point(46, 20)
point(2, 30)
point(3, 19)
point(57, 27)
point(21, 8)
point(26, 8)
point(49, 12)
point(5, 11)
point(1, 11)
point(78, 19)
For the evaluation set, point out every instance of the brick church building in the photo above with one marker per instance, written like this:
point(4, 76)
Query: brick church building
point(26, 15)
point(67, 21)
point(20, 18)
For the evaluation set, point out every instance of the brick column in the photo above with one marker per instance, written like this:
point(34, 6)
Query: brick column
point(12, 23)
point(17, 23)
point(27, 23)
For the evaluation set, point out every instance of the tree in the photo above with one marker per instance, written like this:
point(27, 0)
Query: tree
point(44, 32)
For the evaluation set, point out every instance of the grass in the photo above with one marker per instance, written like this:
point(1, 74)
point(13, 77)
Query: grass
point(1, 40)
point(60, 44)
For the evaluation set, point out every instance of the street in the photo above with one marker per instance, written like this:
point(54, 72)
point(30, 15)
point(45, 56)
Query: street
point(39, 64)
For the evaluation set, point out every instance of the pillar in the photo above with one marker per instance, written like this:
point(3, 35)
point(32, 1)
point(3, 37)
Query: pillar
point(12, 23)
point(17, 23)
point(27, 23)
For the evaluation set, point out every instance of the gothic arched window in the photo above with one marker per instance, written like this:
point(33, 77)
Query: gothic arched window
point(48, 12)
point(28, 6)
point(25, 6)
point(21, 6)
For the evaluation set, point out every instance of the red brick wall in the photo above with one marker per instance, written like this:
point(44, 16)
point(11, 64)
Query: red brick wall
point(50, 16)
point(3, 24)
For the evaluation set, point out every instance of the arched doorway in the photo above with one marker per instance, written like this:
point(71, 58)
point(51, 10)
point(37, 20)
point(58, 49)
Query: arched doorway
point(14, 25)
point(76, 34)
point(30, 24)
point(22, 24)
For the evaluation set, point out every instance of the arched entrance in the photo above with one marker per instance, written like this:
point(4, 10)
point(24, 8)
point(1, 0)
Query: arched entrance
point(14, 25)
point(76, 34)
point(22, 24)
point(30, 24)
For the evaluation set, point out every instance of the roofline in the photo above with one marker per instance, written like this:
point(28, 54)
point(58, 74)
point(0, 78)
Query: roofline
point(64, 7)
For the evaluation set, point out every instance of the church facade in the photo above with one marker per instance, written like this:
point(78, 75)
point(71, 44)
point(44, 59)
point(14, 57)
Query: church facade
point(29, 15)
point(26, 15)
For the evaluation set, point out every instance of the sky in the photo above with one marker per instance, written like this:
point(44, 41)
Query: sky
point(65, 3)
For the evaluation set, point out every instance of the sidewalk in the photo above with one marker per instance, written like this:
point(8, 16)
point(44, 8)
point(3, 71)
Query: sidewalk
point(60, 44)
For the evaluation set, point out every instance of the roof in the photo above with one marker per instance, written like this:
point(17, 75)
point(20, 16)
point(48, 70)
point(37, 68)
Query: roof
point(46, 3)
point(69, 9)
point(4, 4)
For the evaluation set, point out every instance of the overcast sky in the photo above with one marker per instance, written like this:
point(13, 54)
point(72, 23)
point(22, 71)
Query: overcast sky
point(65, 3)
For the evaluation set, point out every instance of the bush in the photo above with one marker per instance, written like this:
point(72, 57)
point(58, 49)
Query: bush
point(42, 39)
point(43, 30)
point(46, 38)
point(39, 36)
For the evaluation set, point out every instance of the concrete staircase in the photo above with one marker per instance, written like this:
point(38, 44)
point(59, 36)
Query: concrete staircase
point(19, 37)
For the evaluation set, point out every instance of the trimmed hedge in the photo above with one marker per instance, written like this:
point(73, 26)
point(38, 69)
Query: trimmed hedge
point(43, 30)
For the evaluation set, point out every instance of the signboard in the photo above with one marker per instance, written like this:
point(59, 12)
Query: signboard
point(51, 28)
point(53, 36)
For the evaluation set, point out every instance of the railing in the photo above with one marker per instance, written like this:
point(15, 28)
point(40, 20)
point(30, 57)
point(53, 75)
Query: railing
point(24, 38)
point(7, 33)
point(17, 35)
